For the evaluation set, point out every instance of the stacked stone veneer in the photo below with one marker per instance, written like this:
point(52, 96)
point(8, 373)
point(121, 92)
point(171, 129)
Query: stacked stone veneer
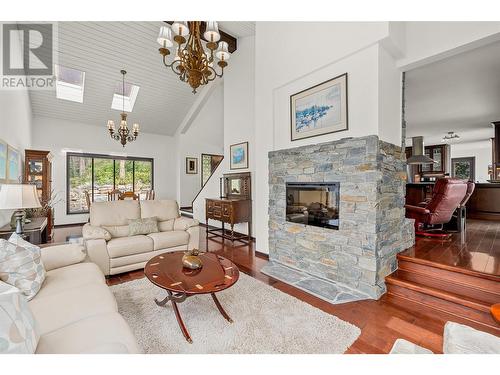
point(373, 227)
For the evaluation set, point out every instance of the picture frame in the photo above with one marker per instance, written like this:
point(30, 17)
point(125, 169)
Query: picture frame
point(13, 165)
point(3, 161)
point(320, 109)
point(238, 156)
point(191, 165)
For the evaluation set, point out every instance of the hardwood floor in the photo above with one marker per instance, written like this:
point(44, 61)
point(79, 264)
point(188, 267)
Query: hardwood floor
point(381, 322)
point(478, 251)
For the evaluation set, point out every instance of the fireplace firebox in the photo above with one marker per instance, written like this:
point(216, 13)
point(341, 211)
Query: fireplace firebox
point(313, 203)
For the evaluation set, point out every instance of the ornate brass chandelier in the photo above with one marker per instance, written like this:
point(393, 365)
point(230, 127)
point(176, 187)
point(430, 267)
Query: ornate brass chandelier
point(123, 135)
point(193, 62)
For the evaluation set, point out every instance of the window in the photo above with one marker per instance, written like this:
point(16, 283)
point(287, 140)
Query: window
point(100, 174)
point(125, 98)
point(69, 84)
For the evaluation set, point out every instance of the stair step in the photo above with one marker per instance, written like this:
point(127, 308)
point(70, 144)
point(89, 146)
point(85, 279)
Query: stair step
point(461, 307)
point(464, 289)
point(485, 282)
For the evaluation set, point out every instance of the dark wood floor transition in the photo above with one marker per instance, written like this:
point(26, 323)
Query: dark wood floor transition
point(383, 321)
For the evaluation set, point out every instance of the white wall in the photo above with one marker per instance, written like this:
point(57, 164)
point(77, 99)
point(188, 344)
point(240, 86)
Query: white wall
point(60, 136)
point(204, 136)
point(480, 150)
point(280, 71)
point(15, 122)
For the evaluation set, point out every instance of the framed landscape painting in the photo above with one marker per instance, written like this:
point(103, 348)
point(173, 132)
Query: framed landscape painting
point(13, 165)
point(191, 165)
point(239, 155)
point(320, 109)
point(3, 161)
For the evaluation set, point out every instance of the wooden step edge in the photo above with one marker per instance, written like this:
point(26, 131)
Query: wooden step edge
point(489, 327)
point(460, 283)
point(448, 296)
point(464, 271)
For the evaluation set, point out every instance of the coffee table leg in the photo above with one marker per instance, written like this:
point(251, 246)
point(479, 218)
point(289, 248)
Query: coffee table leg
point(221, 309)
point(180, 321)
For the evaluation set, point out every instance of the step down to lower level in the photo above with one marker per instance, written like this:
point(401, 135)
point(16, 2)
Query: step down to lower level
point(187, 211)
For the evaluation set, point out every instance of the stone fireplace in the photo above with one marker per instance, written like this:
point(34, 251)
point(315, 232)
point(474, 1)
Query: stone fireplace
point(353, 260)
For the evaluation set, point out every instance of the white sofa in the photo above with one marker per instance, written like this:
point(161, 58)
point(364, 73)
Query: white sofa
point(107, 238)
point(75, 310)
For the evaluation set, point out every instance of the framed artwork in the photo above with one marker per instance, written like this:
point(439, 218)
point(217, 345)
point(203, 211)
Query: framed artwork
point(13, 164)
point(464, 168)
point(191, 165)
point(319, 110)
point(239, 155)
point(3, 161)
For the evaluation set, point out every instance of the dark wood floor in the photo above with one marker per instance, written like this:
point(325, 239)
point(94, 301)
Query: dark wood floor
point(477, 250)
point(381, 322)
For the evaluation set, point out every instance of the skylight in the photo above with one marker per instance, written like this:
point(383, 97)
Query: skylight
point(130, 95)
point(70, 84)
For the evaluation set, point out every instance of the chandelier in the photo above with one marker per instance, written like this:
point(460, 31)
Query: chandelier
point(194, 59)
point(450, 137)
point(123, 135)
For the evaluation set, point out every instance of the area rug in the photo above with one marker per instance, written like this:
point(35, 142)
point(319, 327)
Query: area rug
point(266, 320)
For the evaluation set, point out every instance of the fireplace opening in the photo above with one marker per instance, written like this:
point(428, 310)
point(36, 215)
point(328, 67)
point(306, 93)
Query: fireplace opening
point(313, 203)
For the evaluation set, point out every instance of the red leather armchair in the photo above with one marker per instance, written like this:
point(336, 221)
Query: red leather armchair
point(447, 196)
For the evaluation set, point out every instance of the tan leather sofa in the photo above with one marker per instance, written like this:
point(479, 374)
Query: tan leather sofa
point(75, 310)
point(107, 237)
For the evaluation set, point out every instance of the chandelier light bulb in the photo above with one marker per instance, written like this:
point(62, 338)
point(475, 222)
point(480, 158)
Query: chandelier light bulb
point(111, 125)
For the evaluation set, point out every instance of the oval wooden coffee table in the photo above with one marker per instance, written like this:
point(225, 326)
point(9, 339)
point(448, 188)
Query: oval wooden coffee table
point(166, 271)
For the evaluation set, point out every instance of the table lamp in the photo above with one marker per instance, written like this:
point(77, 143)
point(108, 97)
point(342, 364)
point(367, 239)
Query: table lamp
point(18, 197)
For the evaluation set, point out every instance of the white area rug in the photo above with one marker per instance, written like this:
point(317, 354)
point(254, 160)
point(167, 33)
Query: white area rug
point(266, 320)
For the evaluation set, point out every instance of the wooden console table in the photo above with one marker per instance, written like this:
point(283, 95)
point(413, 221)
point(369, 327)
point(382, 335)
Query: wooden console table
point(34, 232)
point(233, 208)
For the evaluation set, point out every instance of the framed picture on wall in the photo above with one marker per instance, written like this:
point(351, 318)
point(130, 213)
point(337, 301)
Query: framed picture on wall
point(319, 110)
point(3, 161)
point(239, 155)
point(191, 165)
point(13, 165)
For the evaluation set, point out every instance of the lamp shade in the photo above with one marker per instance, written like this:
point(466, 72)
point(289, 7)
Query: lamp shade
point(18, 196)
point(212, 32)
point(181, 28)
point(165, 37)
point(222, 52)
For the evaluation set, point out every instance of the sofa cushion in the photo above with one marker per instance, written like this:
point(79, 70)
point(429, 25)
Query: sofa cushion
point(142, 226)
point(117, 231)
point(163, 209)
point(21, 265)
point(165, 240)
point(18, 329)
point(123, 246)
point(461, 339)
point(70, 278)
point(106, 333)
point(114, 213)
point(57, 310)
point(58, 256)
point(166, 225)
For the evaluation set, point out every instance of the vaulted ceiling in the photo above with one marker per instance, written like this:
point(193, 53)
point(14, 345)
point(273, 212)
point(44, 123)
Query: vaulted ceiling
point(101, 49)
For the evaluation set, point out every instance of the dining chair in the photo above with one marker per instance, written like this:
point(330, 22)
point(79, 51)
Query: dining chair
point(114, 195)
point(128, 195)
point(150, 195)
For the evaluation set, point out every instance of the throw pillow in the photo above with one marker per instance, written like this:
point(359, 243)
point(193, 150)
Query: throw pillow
point(91, 232)
point(21, 265)
point(18, 330)
point(142, 226)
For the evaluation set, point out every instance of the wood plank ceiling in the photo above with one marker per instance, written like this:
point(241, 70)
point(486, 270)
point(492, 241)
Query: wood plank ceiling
point(101, 49)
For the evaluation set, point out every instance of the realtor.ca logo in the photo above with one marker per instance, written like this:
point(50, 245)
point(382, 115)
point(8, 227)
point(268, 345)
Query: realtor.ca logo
point(27, 56)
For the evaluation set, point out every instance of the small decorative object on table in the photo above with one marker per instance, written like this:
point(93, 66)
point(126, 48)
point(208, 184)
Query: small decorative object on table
point(191, 260)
